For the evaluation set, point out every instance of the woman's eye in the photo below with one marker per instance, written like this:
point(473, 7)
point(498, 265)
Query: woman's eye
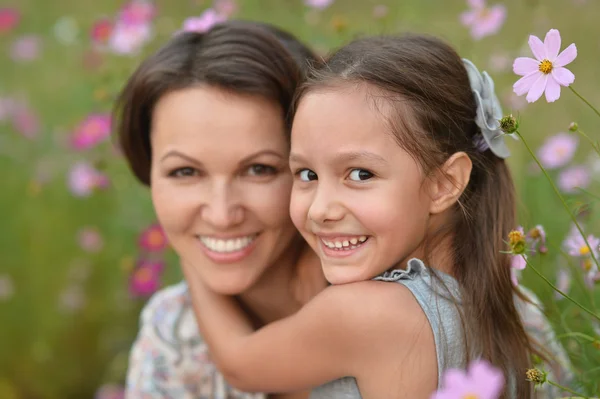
point(261, 170)
point(307, 175)
point(360, 175)
point(183, 172)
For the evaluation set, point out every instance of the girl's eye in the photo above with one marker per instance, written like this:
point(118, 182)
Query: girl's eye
point(261, 170)
point(360, 175)
point(183, 172)
point(307, 175)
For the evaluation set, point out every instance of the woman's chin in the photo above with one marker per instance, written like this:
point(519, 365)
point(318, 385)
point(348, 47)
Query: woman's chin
point(231, 286)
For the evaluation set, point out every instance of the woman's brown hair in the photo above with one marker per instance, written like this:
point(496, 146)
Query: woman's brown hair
point(242, 57)
point(427, 77)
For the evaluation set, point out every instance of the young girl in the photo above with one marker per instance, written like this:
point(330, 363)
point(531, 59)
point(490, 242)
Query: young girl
point(402, 190)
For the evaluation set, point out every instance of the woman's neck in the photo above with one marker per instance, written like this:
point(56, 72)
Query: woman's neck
point(271, 297)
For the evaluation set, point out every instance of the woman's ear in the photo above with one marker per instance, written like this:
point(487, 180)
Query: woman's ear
point(449, 182)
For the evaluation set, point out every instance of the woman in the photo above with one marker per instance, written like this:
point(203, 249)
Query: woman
point(204, 122)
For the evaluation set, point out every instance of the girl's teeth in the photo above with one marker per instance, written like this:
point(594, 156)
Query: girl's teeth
point(346, 244)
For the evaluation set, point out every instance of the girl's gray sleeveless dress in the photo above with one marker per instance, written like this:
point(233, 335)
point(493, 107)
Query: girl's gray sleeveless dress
point(441, 311)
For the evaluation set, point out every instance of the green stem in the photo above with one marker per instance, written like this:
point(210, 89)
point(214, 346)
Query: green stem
point(573, 218)
point(577, 276)
point(559, 291)
point(583, 190)
point(576, 334)
point(567, 389)
point(595, 145)
point(585, 101)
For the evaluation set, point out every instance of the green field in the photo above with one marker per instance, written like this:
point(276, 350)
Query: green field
point(67, 318)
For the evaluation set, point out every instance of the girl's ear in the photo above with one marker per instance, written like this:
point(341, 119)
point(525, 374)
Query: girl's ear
point(447, 185)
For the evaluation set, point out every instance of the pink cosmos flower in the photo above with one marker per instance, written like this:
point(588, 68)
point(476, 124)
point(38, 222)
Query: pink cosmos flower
point(137, 12)
point(545, 73)
point(102, 31)
point(26, 48)
point(7, 287)
point(128, 39)
point(483, 21)
point(574, 177)
point(558, 150)
point(225, 8)
point(84, 179)
point(563, 282)
point(319, 4)
point(204, 22)
point(9, 19)
point(25, 120)
point(576, 246)
point(380, 11)
point(517, 263)
point(94, 129)
point(110, 391)
point(481, 380)
point(72, 299)
point(153, 239)
point(145, 279)
point(89, 239)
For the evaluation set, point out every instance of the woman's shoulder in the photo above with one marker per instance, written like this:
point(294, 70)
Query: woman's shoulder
point(168, 325)
point(169, 357)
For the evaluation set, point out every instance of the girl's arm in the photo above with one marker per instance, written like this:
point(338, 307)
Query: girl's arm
point(335, 335)
point(298, 352)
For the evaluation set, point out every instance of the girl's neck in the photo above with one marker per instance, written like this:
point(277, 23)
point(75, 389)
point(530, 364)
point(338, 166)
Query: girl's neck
point(271, 297)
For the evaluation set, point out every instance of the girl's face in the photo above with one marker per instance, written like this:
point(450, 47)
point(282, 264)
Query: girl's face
point(221, 184)
point(359, 199)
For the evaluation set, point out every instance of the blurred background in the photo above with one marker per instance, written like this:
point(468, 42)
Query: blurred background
point(80, 252)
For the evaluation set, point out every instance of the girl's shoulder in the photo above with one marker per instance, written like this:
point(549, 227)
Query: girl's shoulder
point(375, 309)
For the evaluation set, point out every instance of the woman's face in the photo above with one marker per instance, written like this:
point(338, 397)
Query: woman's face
point(221, 184)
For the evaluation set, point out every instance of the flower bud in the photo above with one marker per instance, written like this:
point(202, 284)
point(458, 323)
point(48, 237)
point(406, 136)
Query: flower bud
point(508, 124)
point(536, 376)
point(573, 127)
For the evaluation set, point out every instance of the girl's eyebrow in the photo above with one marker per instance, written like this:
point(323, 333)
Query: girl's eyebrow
point(347, 157)
point(360, 155)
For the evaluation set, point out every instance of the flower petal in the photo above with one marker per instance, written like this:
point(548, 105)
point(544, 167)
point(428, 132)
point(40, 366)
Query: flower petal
point(552, 90)
point(525, 65)
point(563, 76)
point(537, 89)
point(524, 84)
point(566, 57)
point(537, 47)
point(552, 44)
point(477, 4)
point(468, 18)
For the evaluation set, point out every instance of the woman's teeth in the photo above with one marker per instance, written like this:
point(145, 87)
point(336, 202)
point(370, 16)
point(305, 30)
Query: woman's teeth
point(345, 244)
point(230, 245)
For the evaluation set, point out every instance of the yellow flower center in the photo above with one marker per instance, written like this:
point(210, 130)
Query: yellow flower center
point(535, 233)
point(545, 66)
point(585, 250)
point(515, 237)
point(470, 396)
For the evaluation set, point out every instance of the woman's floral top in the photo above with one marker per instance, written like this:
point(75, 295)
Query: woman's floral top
point(170, 360)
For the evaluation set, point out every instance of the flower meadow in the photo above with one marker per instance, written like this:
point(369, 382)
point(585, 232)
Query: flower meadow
point(80, 249)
